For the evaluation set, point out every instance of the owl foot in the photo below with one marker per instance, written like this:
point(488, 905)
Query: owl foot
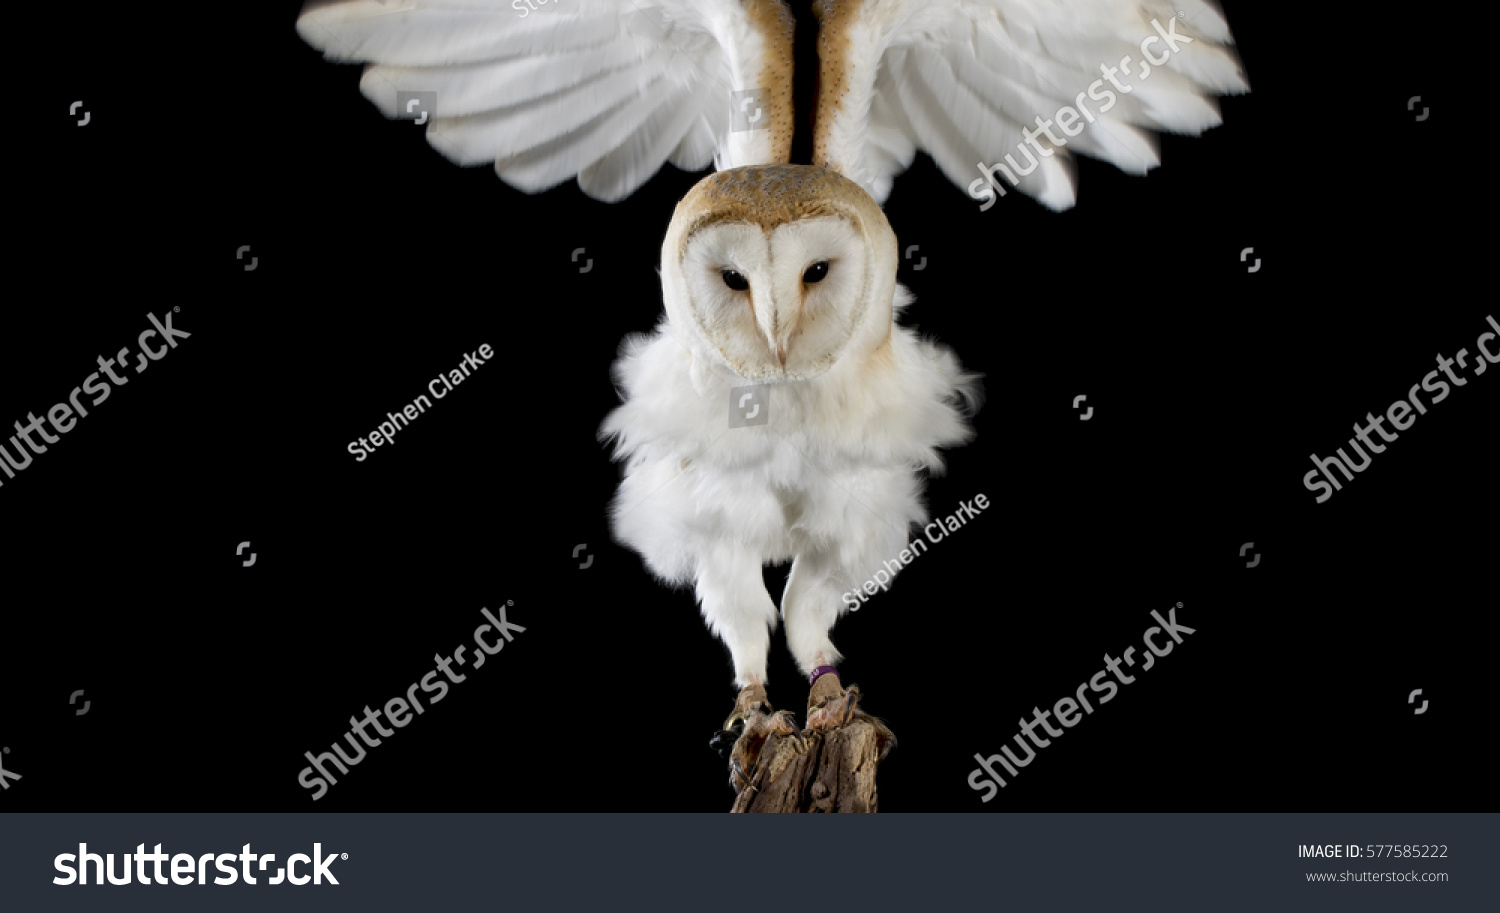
point(749, 727)
point(831, 707)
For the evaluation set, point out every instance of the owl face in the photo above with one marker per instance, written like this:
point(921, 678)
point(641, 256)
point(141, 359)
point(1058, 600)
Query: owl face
point(780, 271)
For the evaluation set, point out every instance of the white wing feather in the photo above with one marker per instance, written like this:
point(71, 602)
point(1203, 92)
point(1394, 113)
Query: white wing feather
point(960, 80)
point(604, 90)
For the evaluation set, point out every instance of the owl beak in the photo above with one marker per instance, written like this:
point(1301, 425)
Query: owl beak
point(778, 344)
point(777, 325)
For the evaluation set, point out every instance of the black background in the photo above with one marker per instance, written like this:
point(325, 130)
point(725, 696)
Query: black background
point(380, 264)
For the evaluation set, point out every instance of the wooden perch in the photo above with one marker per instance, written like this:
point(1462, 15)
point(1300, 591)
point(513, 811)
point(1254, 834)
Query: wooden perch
point(835, 773)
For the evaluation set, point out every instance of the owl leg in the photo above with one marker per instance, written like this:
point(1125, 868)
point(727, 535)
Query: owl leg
point(738, 609)
point(740, 612)
point(810, 606)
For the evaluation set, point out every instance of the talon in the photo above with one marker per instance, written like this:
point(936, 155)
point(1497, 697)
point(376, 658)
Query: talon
point(751, 699)
point(738, 776)
point(785, 724)
point(885, 740)
point(851, 702)
point(841, 709)
point(758, 722)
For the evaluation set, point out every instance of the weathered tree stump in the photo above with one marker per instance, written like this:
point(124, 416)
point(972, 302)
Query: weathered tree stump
point(835, 772)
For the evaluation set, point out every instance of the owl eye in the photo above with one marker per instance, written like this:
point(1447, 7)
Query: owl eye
point(734, 280)
point(816, 272)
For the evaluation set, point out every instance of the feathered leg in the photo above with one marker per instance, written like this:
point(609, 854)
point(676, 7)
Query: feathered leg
point(740, 612)
point(737, 608)
point(810, 607)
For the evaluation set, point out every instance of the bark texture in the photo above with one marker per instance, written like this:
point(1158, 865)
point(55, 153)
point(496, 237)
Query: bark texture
point(834, 773)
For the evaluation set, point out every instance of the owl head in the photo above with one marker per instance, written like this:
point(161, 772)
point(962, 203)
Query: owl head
point(779, 271)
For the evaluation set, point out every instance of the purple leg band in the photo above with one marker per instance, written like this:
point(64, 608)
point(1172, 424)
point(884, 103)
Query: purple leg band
point(820, 672)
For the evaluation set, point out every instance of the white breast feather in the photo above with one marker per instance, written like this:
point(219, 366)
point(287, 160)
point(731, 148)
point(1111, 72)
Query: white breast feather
point(835, 465)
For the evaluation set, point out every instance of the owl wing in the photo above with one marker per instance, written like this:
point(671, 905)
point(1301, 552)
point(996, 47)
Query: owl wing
point(605, 90)
point(961, 79)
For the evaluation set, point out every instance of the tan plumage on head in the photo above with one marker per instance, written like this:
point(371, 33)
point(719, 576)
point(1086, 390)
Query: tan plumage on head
point(777, 226)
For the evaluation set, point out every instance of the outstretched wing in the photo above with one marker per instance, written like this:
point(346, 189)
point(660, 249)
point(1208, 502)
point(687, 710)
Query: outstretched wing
point(962, 79)
point(606, 90)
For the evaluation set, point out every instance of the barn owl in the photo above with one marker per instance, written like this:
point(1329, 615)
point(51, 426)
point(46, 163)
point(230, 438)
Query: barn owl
point(779, 278)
